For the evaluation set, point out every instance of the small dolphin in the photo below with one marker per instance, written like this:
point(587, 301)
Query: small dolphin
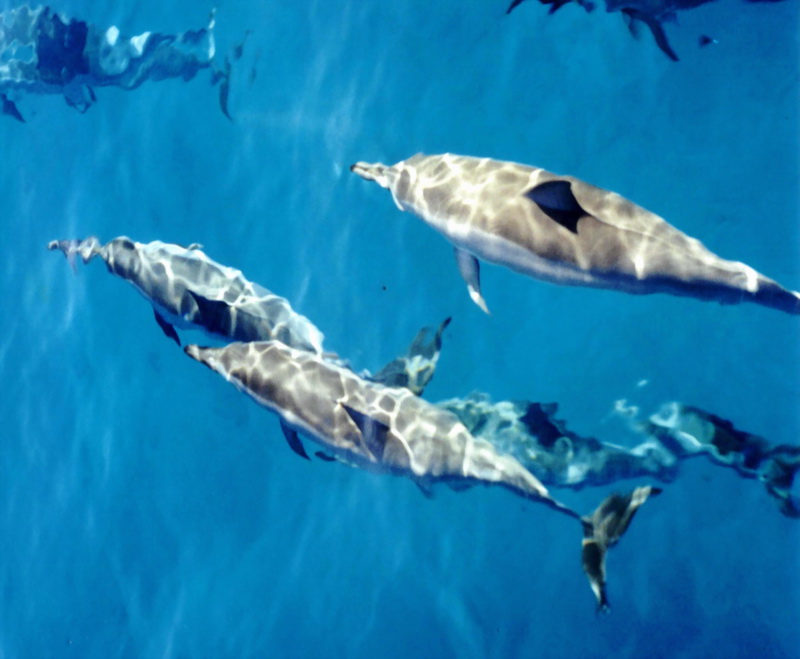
point(562, 230)
point(188, 290)
point(191, 291)
point(389, 430)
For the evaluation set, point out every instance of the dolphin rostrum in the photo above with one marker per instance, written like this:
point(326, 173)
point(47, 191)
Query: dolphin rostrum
point(562, 230)
point(389, 430)
point(189, 290)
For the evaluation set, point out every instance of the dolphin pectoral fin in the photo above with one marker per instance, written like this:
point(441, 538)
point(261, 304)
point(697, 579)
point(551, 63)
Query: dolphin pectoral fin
point(325, 457)
point(168, 329)
point(373, 431)
point(294, 441)
point(425, 488)
point(225, 89)
point(555, 199)
point(470, 271)
point(10, 108)
point(603, 530)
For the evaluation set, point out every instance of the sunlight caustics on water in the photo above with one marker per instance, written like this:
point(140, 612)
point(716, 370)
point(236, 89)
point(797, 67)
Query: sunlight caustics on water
point(149, 509)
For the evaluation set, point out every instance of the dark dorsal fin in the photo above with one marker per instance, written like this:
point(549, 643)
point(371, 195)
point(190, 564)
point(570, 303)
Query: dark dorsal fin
point(539, 422)
point(603, 529)
point(294, 441)
point(556, 200)
point(373, 431)
point(168, 329)
point(214, 315)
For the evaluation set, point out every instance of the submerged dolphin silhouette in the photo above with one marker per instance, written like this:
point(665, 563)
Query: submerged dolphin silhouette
point(389, 430)
point(189, 290)
point(651, 13)
point(562, 230)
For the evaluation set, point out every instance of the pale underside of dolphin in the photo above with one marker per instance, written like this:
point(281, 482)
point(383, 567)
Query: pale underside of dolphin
point(189, 290)
point(389, 430)
point(562, 230)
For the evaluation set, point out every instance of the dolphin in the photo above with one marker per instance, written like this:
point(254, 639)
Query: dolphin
point(189, 290)
point(688, 431)
point(652, 13)
point(389, 430)
point(562, 230)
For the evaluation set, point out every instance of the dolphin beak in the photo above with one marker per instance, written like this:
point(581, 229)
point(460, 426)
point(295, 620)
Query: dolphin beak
point(369, 172)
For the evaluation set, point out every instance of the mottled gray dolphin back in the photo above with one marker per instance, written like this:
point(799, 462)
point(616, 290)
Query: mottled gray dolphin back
point(562, 230)
point(390, 430)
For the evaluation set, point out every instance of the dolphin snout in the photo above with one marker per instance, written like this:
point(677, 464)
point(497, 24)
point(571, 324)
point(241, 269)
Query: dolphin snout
point(371, 172)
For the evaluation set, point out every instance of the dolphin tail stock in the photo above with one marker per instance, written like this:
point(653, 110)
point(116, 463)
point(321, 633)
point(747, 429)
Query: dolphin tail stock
point(87, 249)
point(603, 529)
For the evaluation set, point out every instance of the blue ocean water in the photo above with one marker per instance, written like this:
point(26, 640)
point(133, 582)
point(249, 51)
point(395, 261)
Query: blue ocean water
point(147, 509)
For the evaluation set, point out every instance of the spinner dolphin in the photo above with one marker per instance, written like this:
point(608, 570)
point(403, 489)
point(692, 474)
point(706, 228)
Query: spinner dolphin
point(562, 230)
point(389, 430)
point(189, 290)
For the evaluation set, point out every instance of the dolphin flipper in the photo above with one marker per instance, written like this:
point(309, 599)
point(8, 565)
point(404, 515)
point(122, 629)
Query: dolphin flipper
point(470, 271)
point(225, 89)
point(168, 329)
point(294, 441)
point(373, 431)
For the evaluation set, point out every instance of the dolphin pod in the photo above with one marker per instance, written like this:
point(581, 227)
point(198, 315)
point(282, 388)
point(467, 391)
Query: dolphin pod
point(562, 230)
point(189, 290)
point(390, 430)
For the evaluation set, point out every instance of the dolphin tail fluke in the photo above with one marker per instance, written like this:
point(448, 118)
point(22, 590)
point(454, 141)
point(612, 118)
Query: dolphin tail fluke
point(603, 529)
point(415, 369)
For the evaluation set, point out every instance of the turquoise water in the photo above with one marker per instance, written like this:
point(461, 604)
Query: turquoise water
point(148, 509)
